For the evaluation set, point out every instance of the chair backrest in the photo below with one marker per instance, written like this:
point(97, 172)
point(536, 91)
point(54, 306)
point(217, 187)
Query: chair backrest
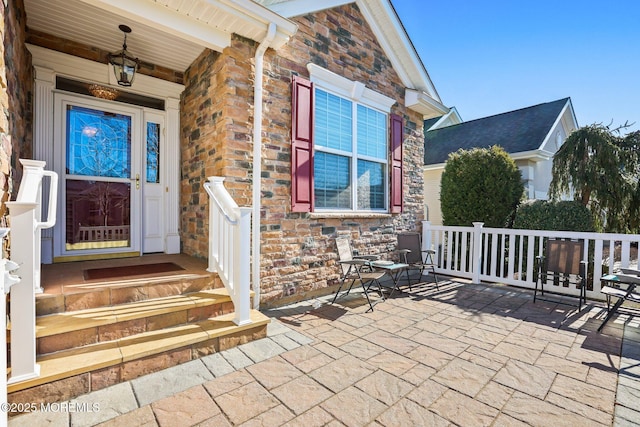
point(345, 253)
point(564, 256)
point(411, 241)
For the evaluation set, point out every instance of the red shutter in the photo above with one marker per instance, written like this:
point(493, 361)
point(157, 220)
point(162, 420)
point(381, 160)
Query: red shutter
point(301, 145)
point(396, 164)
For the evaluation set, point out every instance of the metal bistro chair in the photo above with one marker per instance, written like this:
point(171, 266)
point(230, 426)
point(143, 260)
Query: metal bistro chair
point(357, 269)
point(622, 286)
point(410, 249)
point(563, 265)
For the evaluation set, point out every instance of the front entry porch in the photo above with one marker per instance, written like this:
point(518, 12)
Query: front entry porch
point(95, 332)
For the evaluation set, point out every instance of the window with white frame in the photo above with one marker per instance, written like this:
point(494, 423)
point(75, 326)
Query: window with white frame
point(351, 146)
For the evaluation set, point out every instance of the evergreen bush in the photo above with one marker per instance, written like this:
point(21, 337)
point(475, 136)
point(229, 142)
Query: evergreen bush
point(481, 184)
point(549, 215)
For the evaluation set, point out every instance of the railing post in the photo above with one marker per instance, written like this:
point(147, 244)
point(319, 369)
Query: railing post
point(23, 298)
point(477, 251)
point(426, 243)
point(242, 267)
point(30, 191)
point(7, 280)
point(426, 235)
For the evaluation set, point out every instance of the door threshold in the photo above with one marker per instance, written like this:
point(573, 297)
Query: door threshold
point(92, 257)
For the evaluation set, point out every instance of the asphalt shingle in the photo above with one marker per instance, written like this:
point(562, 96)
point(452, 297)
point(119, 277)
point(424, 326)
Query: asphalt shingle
point(515, 131)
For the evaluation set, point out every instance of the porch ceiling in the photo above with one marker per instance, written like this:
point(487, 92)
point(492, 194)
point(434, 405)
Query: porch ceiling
point(170, 33)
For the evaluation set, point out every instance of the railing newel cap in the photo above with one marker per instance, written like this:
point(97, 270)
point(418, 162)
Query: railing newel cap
point(33, 164)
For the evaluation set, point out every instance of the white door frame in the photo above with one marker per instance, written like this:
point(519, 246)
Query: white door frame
point(48, 65)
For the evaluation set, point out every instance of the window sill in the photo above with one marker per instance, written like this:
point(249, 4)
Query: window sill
point(345, 215)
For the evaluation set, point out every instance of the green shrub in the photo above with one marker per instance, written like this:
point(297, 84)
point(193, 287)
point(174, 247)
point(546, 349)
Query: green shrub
point(547, 215)
point(481, 184)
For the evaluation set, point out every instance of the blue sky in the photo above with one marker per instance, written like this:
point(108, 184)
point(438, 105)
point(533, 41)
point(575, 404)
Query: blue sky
point(489, 57)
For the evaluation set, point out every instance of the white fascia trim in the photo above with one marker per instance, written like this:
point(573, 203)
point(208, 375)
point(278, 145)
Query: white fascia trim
point(395, 42)
point(553, 128)
point(96, 72)
point(262, 17)
point(245, 12)
point(572, 115)
point(533, 155)
point(176, 24)
point(289, 9)
point(424, 104)
point(355, 91)
point(453, 113)
point(433, 167)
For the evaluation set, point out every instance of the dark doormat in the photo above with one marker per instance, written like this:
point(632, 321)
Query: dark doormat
point(130, 270)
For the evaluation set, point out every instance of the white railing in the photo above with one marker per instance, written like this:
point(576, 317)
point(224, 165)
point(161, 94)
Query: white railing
point(229, 246)
point(25, 214)
point(7, 280)
point(501, 255)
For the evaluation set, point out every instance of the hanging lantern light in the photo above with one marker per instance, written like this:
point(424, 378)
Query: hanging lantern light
point(124, 64)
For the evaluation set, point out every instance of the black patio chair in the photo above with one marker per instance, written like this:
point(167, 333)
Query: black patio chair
point(411, 253)
point(563, 266)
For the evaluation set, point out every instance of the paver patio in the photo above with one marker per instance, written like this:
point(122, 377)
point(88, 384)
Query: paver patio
point(467, 355)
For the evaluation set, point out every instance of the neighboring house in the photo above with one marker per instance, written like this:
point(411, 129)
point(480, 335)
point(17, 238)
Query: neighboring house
point(530, 135)
point(343, 72)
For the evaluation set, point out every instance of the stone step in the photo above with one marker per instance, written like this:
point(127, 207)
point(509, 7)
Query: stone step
point(62, 331)
point(92, 367)
point(81, 295)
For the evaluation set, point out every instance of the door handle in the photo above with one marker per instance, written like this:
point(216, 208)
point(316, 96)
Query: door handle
point(137, 180)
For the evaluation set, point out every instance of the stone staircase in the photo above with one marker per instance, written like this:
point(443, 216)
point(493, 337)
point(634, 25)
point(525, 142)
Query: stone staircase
point(91, 335)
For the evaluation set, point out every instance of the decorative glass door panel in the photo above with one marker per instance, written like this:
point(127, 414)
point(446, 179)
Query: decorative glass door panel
point(98, 179)
point(153, 199)
point(153, 153)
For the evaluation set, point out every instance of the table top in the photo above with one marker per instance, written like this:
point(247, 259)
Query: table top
point(388, 265)
point(622, 278)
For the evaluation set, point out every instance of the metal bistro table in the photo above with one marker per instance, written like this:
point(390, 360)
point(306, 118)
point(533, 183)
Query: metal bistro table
point(393, 269)
point(621, 286)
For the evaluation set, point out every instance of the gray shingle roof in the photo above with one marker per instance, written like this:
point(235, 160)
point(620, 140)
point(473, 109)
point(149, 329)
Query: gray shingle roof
point(515, 131)
point(430, 122)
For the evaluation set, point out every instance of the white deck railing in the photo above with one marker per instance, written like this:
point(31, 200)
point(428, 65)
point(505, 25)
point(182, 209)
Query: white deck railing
point(500, 255)
point(229, 246)
point(7, 280)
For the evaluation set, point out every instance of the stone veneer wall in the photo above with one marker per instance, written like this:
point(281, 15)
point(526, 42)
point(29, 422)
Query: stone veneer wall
point(216, 130)
point(16, 87)
point(298, 250)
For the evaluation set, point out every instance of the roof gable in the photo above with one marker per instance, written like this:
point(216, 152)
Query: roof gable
point(516, 131)
point(391, 36)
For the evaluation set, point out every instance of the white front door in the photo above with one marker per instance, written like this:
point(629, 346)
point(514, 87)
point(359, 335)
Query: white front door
point(103, 168)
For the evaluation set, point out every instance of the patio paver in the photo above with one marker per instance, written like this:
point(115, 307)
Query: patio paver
point(463, 355)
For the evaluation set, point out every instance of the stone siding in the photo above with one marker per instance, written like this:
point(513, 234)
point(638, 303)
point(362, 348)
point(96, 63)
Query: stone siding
point(16, 88)
point(216, 127)
point(298, 250)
